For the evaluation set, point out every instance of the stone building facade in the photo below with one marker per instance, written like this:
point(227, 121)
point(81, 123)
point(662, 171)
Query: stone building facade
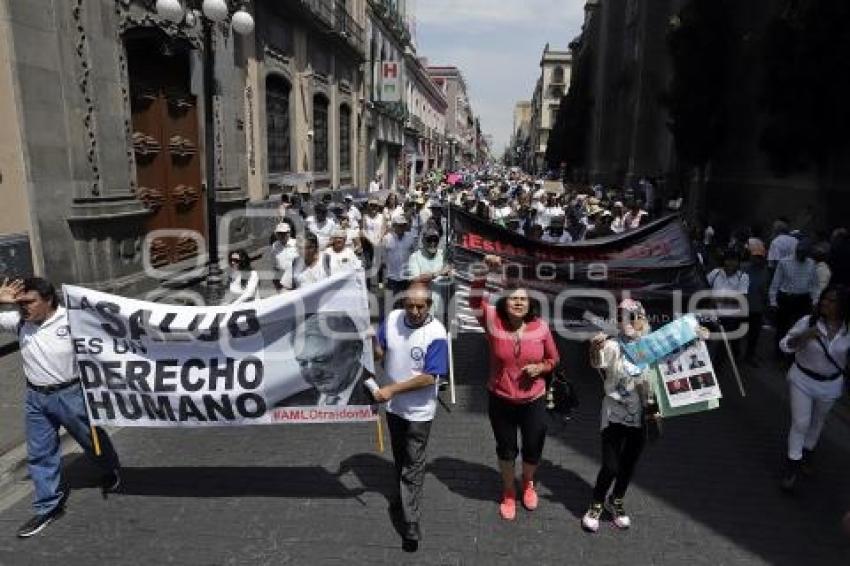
point(425, 129)
point(625, 64)
point(460, 119)
point(388, 37)
point(104, 103)
point(552, 84)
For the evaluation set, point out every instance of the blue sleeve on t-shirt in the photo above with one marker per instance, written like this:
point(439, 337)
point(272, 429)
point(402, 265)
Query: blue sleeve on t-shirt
point(437, 358)
point(382, 335)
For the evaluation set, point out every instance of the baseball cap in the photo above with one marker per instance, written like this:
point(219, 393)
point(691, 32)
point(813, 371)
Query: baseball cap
point(399, 218)
point(283, 227)
point(430, 231)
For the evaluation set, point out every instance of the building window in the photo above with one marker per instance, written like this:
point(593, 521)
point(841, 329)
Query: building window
point(345, 139)
point(320, 134)
point(558, 75)
point(277, 124)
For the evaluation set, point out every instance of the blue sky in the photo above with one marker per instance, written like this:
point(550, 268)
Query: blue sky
point(497, 45)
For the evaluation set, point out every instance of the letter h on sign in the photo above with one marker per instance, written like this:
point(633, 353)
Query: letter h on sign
point(390, 82)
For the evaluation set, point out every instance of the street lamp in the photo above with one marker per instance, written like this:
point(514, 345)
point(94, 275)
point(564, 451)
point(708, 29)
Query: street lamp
point(210, 13)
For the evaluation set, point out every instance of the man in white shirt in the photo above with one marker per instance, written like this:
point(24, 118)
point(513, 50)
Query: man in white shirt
point(373, 229)
point(352, 211)
point(731, 285)
point(555, 233)
point(793, 289)
point(413, 346)
point(54, 397)
point(321, 225)
point(782, 246)
point(397, 247)
point(376, 185)
point(428, 264)
point(340, 257)
point(309, 267)
point(283, 251)
point(501, 210)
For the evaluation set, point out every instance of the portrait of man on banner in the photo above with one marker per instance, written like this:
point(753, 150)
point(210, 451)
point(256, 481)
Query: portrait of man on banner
point(328, 348)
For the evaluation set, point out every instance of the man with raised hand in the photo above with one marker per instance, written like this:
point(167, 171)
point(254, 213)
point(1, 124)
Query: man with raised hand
point(54, 397)
point(414, 349)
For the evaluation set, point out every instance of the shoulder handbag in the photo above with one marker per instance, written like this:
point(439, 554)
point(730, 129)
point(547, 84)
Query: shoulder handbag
point(561, 393)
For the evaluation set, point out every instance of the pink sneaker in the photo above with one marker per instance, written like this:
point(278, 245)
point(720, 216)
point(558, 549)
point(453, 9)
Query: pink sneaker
point(507, 508)
point(529, 495)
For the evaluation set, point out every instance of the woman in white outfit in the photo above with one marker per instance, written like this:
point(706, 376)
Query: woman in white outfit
point(244, 281)
point(819, 343)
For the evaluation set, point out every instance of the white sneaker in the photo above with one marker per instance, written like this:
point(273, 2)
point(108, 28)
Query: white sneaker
point(590, 521)
point(618, 513)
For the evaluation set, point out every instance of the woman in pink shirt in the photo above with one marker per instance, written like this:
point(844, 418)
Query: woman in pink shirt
point(522, 353)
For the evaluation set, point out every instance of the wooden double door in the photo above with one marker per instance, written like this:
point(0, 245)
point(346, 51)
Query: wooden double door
point(166, 146)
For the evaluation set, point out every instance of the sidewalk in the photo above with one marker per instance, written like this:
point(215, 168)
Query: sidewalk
point(705, 494)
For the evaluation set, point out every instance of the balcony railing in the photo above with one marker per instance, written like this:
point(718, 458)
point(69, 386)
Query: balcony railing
point(322, 9)
point(387, 11)
point(348, 27)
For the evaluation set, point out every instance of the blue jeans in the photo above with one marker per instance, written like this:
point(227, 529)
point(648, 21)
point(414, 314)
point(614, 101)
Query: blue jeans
point(45, 413)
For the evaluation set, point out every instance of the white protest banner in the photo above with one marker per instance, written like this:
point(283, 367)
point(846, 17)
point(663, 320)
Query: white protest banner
point(300, 357)
point(687, 380)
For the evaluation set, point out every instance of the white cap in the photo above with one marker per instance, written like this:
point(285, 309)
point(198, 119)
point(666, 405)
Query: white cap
point(282, 227)
point(399, 218)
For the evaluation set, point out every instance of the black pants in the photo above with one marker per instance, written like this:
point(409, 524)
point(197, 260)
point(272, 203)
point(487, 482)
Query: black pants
point(529, 418)
point(790, 309)
point(621, 448)
point(754, 324)
point(409, 439)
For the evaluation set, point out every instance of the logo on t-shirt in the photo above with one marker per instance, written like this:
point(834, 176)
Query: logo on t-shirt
point(63, 331)
point(416, 353)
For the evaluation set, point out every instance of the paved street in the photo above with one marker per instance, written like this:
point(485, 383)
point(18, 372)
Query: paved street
point(705, 494)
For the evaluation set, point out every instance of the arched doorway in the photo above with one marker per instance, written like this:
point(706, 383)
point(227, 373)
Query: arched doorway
point(166, 143)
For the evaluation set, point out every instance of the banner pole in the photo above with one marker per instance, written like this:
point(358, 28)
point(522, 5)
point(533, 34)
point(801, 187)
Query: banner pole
point(95, 440)
point(732, 360)
point(380, 432)
point(453, 394)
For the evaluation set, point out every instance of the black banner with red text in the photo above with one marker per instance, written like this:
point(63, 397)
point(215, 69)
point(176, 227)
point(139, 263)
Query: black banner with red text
point(654, 264)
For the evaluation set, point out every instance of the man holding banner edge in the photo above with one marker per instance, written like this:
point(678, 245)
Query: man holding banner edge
point(53, 398)
point(414, 348)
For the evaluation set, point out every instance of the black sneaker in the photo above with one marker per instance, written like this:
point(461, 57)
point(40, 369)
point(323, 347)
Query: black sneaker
point(110, 481)
point(411, 537)
point(39, 522)
point(789, 479)
point(807, 466)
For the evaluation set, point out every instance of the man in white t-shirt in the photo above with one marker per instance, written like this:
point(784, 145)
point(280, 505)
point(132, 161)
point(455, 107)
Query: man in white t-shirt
point(783, 245)
point(311, 266)
point(283, 251)
point(353, 213)
point(397, 246)
point(54, 397)
point(321, 225)
point(341, 257)
point(376, 184)
point(414, 349)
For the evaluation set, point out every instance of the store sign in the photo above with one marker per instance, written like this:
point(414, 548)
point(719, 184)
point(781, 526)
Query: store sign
point(390, 81)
